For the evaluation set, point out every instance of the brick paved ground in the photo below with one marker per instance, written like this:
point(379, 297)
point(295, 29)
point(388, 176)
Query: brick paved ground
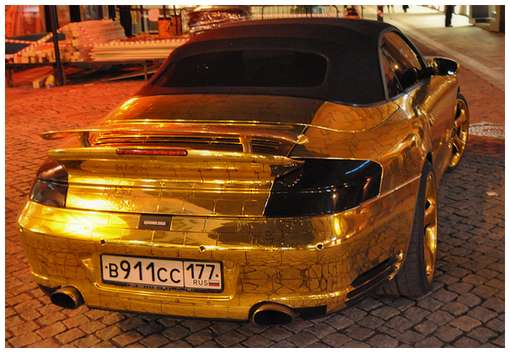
point(465, 309)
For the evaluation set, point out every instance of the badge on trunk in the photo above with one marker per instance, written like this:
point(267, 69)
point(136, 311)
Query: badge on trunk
point(155, 222)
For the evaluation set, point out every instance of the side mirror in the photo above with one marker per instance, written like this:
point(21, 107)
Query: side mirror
point(409, 78)
point(442, 66)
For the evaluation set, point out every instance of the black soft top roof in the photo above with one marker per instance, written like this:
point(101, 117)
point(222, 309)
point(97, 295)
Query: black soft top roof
point(339, 30)
point(351, 47)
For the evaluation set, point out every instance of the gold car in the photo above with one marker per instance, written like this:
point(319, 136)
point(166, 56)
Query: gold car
point(269, 169)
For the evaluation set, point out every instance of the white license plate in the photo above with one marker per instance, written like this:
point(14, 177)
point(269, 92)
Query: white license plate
point(148, 272)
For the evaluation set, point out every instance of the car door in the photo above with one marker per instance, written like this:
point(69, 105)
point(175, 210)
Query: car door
point(430, 96)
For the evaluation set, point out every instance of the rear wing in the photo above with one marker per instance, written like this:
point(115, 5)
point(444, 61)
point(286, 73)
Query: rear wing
point(170, 160)
point(132, 134)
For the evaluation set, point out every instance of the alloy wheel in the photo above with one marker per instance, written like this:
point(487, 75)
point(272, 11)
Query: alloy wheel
point(460, 133)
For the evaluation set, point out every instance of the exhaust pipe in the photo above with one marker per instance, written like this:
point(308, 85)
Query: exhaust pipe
point(272, 314)
point(67, 297)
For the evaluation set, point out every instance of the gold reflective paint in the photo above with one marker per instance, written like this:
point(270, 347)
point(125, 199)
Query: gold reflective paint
point(217, 201)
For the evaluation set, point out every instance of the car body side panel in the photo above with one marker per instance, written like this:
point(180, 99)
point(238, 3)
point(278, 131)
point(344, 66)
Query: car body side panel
point(398, 139)
point(398, 143)
point(347, 118)
point(435, 102)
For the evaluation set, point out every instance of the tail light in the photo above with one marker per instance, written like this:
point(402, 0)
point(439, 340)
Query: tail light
point(324, 186)
point(50, 187)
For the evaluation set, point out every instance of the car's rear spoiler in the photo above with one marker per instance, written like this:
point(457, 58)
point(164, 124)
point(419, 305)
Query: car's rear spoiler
point(245, 133)
point(170, 161)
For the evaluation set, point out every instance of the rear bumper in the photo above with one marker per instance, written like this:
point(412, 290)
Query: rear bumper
point(299, 262)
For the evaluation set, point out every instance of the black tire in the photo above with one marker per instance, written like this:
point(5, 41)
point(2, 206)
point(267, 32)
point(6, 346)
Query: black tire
point(411, 280)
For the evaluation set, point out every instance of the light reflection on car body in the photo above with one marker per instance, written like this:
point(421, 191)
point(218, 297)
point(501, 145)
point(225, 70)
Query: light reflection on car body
point(219, 199)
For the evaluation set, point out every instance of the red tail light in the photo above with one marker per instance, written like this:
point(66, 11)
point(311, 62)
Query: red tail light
point(324, 186)
point(50, 187)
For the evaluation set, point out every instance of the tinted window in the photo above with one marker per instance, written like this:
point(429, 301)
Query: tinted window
point(247, 68)
point(392, 83)
point(402, 60)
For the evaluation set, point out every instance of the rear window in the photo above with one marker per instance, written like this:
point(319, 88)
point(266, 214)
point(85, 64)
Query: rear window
point(246, 68)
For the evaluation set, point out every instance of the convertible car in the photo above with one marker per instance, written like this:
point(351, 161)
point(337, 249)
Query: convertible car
point(269, 169)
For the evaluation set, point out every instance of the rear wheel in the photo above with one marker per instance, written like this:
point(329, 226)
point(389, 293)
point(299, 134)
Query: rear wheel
point(460, 132)
point(415, 276)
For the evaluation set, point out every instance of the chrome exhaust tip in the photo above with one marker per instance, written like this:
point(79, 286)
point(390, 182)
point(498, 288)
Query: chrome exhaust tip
point(272, 314)
point(67, 297)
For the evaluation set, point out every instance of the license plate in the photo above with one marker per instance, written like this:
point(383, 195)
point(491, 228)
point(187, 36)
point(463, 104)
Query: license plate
point(156, 273)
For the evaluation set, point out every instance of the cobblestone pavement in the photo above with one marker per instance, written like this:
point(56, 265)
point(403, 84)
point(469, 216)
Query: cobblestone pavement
point(465, 308)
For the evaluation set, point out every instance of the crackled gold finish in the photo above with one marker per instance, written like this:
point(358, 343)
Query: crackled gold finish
point(217, 195)
point(430, 227)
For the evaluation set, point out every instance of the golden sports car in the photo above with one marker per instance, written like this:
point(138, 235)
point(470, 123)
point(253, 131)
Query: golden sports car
point(269, 169)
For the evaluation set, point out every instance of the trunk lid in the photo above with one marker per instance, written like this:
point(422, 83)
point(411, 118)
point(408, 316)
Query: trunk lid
point(205, 169)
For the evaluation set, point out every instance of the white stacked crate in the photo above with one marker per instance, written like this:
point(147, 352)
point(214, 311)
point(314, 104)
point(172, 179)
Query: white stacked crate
point(80, 38)
point(135, 50)
point(85, 35)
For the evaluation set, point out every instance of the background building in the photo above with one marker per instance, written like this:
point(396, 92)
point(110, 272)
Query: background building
point(490, 17)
